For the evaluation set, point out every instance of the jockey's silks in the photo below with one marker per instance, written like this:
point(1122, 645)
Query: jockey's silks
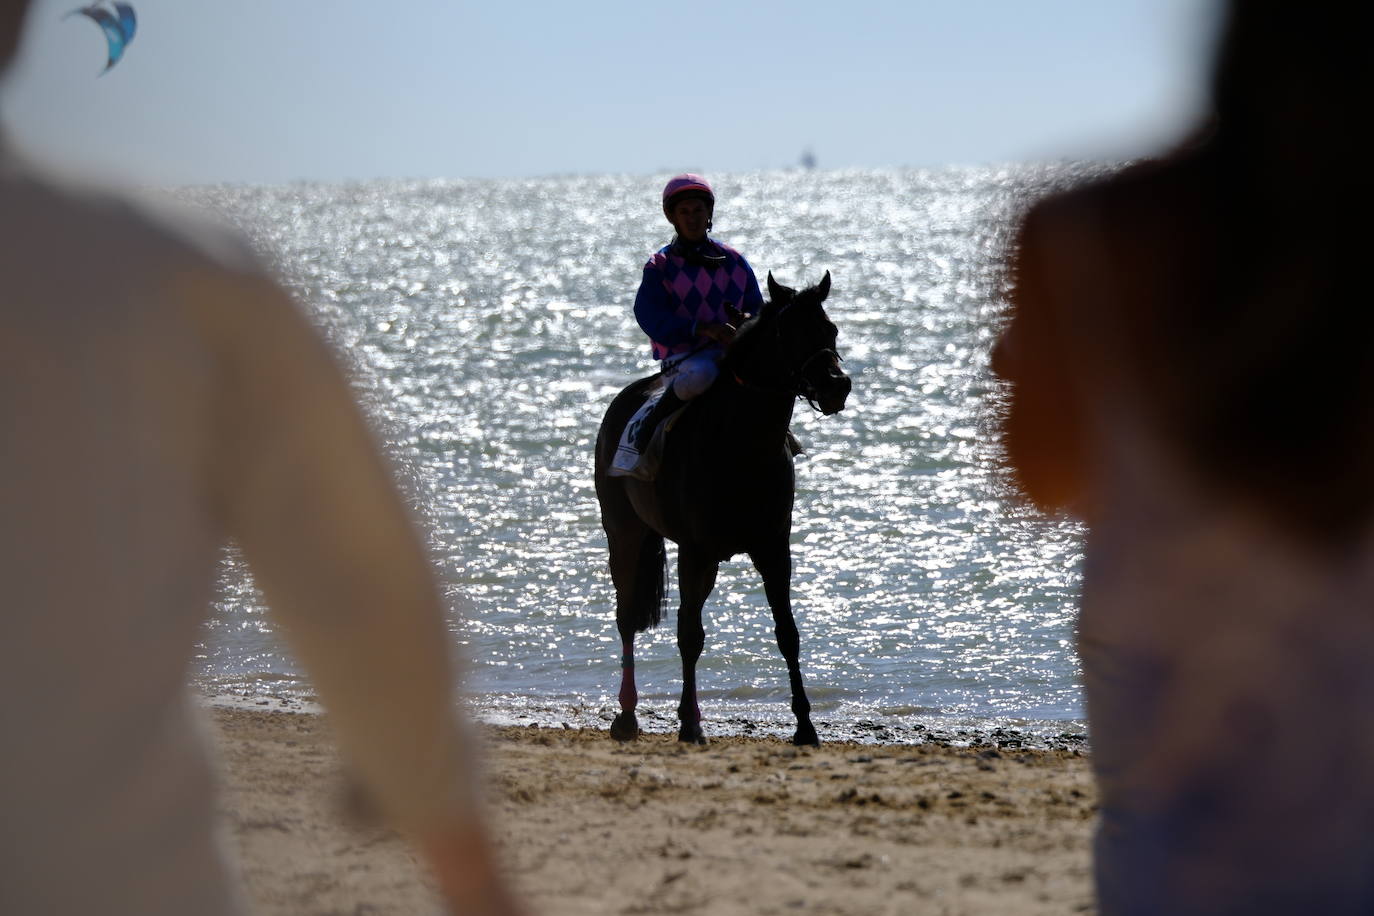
point(678, 291)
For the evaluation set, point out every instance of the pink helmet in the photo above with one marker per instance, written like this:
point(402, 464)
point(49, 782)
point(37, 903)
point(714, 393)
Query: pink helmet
point(687, 183)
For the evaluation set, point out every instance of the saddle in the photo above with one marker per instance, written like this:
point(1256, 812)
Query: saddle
point(629, 462)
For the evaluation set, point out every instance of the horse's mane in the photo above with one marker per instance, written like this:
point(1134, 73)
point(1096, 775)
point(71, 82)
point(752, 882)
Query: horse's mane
point(784, 301)
point(750, 328)
point(744, 340)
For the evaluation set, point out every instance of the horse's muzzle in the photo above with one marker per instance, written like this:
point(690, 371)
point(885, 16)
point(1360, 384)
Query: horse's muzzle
point(833, 392)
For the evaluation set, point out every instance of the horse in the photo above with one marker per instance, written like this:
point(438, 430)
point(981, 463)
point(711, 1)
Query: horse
point(725, 486)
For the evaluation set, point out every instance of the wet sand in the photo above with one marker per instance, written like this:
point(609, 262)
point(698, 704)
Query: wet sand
point(741, 826)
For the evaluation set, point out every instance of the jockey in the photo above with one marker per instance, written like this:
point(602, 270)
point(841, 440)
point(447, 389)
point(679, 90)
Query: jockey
point(683, 298)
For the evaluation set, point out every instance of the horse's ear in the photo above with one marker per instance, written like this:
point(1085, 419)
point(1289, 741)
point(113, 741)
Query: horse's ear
point(775, 290)
point(824, 286)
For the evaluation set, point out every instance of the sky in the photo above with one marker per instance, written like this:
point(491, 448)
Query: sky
point(273, 91)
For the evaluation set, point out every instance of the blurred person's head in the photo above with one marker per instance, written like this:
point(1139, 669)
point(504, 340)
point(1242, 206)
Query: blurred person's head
point(1255, 355)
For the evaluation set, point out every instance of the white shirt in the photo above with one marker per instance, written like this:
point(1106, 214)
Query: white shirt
point(159, 394)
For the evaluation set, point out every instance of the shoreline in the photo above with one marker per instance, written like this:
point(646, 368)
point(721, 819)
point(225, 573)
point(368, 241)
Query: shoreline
point(879, 731)
point(741, 826)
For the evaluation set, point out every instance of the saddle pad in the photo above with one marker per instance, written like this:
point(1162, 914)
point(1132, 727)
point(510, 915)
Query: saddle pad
point(626, 455)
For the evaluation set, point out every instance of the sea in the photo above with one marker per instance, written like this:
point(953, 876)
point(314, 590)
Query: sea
point(488, 324)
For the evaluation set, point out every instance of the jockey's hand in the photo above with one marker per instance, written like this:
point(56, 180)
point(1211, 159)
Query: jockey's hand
point(720, 333)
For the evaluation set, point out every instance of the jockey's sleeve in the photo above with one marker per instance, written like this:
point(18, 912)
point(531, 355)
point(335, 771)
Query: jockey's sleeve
point(753, 296)
point(656, 312)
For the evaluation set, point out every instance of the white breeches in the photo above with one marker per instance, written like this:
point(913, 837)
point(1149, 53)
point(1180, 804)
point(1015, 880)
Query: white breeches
point(692, 375)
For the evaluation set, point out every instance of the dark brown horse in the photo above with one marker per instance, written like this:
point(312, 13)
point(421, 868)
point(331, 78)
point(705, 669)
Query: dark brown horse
point(725, 487)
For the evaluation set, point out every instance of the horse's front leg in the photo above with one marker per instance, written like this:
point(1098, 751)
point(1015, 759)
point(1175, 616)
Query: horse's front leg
point(696, 578)
point(776, 568)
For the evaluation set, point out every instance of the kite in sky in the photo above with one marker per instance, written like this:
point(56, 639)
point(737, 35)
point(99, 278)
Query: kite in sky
point(118, 27)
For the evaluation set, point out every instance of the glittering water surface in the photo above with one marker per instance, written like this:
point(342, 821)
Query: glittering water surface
point(490, 325)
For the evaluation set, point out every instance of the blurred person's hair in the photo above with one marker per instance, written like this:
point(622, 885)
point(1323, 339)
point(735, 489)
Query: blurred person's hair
point(1258, 362)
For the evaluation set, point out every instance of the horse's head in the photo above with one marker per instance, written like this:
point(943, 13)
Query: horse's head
point(790, 346)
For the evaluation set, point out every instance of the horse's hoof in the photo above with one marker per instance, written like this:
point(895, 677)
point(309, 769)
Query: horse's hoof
point(691, 734)
point(806, 736)
point(625, 727)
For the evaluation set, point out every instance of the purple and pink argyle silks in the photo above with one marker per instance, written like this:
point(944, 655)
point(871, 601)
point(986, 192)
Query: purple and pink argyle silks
point(698, 293)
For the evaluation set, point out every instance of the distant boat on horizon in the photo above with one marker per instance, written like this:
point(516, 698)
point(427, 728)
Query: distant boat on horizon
point(808, 159)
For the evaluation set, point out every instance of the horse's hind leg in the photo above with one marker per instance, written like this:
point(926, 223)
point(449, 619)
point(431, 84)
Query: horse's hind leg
point(637, 558)
point(696, 578)
point(776, 568)
point(625, 726)
point(637, 563)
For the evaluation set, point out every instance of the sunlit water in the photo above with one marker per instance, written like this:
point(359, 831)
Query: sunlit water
point(489, 324)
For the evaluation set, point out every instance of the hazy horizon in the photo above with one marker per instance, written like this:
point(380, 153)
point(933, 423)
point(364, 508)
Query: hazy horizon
point(277, 91)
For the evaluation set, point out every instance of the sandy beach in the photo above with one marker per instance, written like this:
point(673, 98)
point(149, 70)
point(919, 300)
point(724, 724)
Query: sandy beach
point(741, 826)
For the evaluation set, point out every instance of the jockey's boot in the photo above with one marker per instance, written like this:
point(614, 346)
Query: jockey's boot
point(668, 403)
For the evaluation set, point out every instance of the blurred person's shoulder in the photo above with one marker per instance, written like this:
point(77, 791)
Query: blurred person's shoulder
point(120, 229)
point(91, 246)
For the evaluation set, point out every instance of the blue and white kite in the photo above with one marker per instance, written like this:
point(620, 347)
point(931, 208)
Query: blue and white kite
point(118, 27)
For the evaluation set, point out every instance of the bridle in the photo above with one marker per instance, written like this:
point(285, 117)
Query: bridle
point(796, 383)
point(801, 385)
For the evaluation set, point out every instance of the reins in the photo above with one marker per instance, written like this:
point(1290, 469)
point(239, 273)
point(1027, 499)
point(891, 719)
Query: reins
point(797, 384)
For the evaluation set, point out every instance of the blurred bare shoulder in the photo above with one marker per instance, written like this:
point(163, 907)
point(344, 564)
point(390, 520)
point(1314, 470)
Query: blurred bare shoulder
point(161, 282)
point(80, 218)
point(76, 243)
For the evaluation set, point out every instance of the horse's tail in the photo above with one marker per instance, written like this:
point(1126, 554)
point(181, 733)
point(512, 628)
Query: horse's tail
point(648, 595)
